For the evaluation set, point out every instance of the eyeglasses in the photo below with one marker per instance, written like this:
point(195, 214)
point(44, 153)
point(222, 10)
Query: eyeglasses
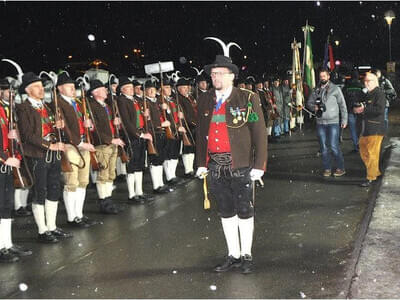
point(215, 74)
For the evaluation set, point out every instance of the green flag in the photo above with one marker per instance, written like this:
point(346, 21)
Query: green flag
point(309, 74)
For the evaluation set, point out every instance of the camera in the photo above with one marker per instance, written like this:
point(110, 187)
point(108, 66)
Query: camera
point(321, 108)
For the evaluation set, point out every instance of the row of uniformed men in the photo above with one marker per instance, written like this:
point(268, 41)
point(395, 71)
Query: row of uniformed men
point(99, 133)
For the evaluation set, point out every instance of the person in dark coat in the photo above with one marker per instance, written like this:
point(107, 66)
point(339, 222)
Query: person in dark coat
point(352, 92)
point(371, 123)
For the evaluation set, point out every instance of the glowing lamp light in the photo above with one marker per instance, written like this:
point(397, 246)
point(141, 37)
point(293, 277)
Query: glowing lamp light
point(389, 16)
point(69, 56)
point(91, 37)
point(338, 63)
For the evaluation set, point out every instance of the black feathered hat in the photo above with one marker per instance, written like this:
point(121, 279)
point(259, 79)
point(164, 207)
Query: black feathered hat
point(95, 84)
point(27, 79)
point(64, 78)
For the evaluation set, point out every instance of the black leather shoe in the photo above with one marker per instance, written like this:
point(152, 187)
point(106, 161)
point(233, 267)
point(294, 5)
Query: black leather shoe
point(229, 263)
point(108, 207)
point(19, 251)
point(59, 233)
point(247, 264)
point(7, 256)
point(162, 189)
point(190, 175)
point(147, 198)
point(77, 223)
point(136, 200)
point(22, 212)
point(89, 222)
point(47, 238)
point(367, 183)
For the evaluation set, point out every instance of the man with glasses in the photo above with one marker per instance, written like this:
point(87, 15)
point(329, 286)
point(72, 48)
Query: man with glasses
point(371, 121)
point(327, 101)
point(231, 147)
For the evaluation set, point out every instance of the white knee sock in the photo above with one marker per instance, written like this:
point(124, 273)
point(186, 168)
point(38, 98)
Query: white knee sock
point(188, 160)
point(80, 201)
point(109, 188)
point(154, 177)
point(246, 228)
point(2, 233)
point(231, 231)
point(173, 163)
point(166, 164)
point(7, 231)
point(138, 183)
point(17, 199)
point(130, 181)
point(39, 216)
point(70, 202)
point(20, 198)
point(160, 175)
point(101, 190)
point(50, 208)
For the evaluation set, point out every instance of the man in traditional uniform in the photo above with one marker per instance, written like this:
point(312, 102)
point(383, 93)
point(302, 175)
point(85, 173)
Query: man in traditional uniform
point(202, 85)
point(9, 252)
point(232, 147)
point(77, 151)
point(37, 127)
point(112, 95)
point(173, 145)
point(20, 195)
point(133, 120)
point(105, 143)
point(189, 109)
point(157, 125)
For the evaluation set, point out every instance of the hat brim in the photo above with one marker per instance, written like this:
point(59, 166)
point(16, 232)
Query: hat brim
point(66, 82)
point(231, 67)
point(23, 86)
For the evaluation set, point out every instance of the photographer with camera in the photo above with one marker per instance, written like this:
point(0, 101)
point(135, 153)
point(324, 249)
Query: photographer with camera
point(371, 123)
point(329, 105)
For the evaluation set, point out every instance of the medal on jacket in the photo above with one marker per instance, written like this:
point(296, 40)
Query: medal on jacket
point(234, 114)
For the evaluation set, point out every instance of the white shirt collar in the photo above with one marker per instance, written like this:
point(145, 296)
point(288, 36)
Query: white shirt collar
point(101, 103)
point(224, 95)
point(129, 97)
point(35, 104)
point(68, 99)
point(154, 100)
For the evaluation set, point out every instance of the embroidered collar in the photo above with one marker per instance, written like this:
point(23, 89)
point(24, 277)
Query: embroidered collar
point(35, 103)
point(101, 103)
point(129, 97)
point(154, 100)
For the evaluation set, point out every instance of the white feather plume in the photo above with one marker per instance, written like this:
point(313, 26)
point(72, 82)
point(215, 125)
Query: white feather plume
point(82, 80)
point(175, 76)
point(225, 47)
point(197, 70)
point(154, 78)
point(111, 76)
point(19, 69)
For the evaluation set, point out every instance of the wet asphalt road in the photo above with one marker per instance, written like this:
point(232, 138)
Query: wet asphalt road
point(304, 239)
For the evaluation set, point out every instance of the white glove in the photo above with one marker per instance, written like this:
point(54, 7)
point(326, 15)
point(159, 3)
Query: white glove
point(256, 174)
point(201, 172)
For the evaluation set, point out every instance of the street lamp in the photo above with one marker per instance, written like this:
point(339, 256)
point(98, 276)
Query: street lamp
point(389, 16)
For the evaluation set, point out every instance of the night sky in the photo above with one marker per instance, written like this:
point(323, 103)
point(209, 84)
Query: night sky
point(41, 35)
